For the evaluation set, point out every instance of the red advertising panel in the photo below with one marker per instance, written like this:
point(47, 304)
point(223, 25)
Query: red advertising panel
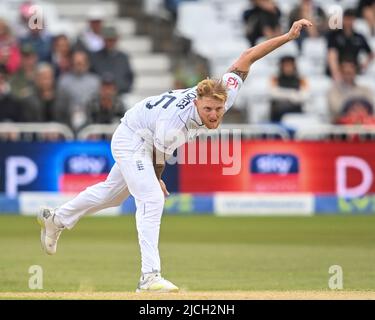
point(344, 168)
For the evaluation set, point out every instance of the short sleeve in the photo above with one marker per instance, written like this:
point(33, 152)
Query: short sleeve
point(331, 40)
point(233, 83)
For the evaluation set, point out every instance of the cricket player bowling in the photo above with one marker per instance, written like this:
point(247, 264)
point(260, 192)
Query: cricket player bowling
point(147, 135)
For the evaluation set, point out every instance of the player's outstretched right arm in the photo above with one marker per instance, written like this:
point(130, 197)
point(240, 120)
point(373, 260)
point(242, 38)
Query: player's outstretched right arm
point(242, 65)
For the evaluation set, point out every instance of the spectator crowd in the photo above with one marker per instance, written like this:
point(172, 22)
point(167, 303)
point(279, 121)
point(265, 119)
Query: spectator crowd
point(52, 78)
point(348, 56)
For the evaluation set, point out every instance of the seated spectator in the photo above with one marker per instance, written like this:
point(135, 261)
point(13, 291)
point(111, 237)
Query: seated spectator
point(61, 54)
point(9, 51)
point(75, 89)
point(366, 10)
point(106, 107)
point(41, 41)
point(111, 60)
point(346, 90)
point(307, 9)
point(289, 90)
point(262, 20)
point(10, 108)
point(357, 111)
point(347, 44)
point(91, 39)
point(41, 107)
point(22, 82)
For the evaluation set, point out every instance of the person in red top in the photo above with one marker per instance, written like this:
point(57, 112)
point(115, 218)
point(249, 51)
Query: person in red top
point(357, 111)
point(10, 55)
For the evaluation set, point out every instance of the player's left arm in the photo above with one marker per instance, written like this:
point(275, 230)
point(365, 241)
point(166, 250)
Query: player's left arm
point(158, 161)
point(242, 65)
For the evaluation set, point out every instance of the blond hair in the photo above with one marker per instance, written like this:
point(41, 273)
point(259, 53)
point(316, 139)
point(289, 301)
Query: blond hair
point(212, 88)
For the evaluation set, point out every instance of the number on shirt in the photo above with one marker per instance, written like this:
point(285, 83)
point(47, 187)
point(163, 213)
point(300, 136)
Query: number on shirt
point(167, 98)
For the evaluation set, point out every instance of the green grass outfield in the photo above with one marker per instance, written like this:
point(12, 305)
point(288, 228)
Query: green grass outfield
point(199, 253)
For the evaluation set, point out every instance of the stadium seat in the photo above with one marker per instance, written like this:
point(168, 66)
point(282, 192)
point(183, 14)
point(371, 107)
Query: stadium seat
point(135, 45)
point(315, 48)
point(194, 19)
point(361, 26)
point(150, 63)
point(289, 49)
point(300, 120)
point(153, 84)
point(263, 68)
point(307, 66)
point(319, 84)
point(318, 105)
point(371, 69)
point(78, 9)
point(153, 7)
point(367, 80)
point(255, 96)
point(258, 111)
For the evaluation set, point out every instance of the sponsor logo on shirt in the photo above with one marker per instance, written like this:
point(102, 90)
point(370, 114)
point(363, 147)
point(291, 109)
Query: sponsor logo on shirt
point(232, 82)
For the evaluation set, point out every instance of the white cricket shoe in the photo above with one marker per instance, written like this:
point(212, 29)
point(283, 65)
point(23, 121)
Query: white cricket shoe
point(153, 282)
point(50, 232)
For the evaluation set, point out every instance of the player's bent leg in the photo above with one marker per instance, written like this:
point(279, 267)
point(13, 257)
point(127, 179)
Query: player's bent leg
point(109, 193)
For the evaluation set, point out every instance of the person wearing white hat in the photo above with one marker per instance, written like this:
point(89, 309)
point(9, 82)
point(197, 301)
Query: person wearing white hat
point(91, 39)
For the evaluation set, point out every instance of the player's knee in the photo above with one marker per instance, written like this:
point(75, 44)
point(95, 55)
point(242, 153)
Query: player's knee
point(157, 198)
point(101, 191)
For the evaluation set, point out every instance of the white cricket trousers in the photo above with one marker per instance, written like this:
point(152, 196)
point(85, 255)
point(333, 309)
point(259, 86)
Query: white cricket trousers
point(133, 173)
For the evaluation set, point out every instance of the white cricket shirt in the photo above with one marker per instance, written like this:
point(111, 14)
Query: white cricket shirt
point(171, 119)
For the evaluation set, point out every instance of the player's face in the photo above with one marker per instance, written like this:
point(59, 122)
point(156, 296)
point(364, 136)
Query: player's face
point(210, 111)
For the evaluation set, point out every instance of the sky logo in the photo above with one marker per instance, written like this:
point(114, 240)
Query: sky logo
point(86, 164)
point(82, 171)
point(274, 172)
point(281, 164)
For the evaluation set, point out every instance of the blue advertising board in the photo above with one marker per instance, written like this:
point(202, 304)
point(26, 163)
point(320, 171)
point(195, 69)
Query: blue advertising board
point(47, 166)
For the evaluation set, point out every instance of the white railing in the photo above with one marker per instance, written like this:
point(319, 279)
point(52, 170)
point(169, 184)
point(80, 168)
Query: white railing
point(245, 130)
point(264, 131)
point(96, 130)
point(252, 131)
point(335, 132)
point(18, 128)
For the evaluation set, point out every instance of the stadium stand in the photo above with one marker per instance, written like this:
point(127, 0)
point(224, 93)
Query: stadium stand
point(211, 31)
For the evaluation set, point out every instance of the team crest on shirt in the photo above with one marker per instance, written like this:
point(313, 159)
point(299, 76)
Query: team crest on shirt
point(140, 165)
